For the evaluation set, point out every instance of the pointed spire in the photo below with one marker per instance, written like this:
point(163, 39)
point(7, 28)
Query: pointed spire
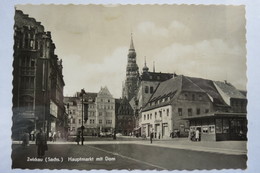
point(131, 43)
point(153, 67)
point(145, 68)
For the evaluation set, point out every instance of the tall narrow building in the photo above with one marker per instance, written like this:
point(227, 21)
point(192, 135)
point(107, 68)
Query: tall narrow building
point(132, 74)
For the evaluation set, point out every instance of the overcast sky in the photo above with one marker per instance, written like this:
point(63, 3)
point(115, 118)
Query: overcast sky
point(194, 40)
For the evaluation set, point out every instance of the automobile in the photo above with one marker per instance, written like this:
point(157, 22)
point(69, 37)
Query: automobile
point(119, 134)
point(102, 134)
point(105, 134)
point(108, 134)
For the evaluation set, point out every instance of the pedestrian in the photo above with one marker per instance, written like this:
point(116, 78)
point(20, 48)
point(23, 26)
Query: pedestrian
point(159, 135)
point(26, 137)
point(78, 138)
point(50, 135)
point(151, 137)
point(32, 135)
point(41, 143)
point(197, 135)
point(59, 135)
point(54, 136)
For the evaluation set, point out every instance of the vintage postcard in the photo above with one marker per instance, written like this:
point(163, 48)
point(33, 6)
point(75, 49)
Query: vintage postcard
point(129, 87)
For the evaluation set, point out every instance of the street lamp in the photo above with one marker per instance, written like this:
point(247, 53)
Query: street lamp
point(69, 117)
point(82, 125)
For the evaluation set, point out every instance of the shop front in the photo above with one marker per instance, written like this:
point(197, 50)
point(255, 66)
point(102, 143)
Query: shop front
point(220, 126)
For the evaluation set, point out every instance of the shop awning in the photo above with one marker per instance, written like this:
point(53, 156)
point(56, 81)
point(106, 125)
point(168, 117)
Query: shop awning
point(217, 115)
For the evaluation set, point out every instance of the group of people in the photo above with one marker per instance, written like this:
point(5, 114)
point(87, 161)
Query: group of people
point(194, 135)
point(40, 141)
point(53, 136)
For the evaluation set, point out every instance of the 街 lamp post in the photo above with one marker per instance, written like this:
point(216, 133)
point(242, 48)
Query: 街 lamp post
point(82, 125)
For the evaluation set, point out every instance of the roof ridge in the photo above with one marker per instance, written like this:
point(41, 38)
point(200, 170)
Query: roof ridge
point(195, 83)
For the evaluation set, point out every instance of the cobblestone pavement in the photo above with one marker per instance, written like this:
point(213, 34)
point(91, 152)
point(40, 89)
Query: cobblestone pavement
point(223, 147)
point(123, 155)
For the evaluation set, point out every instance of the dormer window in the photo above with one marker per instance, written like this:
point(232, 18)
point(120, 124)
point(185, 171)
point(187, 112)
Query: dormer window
point(151, 89)
point(146, 90)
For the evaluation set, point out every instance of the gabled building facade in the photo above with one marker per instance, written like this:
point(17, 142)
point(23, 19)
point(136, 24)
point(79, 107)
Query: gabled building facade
point(98, 112)
point(37, 79)
point(183, 104)
point(124, 117)
point(105, 111)
point(147, 85)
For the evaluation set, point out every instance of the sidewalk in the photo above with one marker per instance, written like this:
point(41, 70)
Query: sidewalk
point(223, 147)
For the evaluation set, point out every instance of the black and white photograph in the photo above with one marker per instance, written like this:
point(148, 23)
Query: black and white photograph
point(136, 87)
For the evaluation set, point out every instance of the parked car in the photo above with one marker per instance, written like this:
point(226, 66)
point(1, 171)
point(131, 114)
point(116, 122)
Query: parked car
point(119, 134)
point(108, 134)
point(105, 134)
point(102, 134)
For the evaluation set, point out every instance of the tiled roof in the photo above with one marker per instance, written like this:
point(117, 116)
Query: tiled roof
point(123, 107)
point(230, 90)
point(90, 95)
point(71, 99)
point(173, 86)
point(154, 76)
point(208, 87)
point(167, 88)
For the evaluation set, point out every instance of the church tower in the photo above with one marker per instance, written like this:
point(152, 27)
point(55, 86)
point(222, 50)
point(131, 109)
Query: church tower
point(132, 73)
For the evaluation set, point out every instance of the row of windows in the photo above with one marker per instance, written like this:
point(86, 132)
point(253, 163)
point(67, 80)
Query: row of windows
point(91, 106)
point(190, 111)
point(108, 121)
point(91, 121)
point(28, 42)
point(192, 97)
point(149, 116)
point(27, 62)
point(124, 123)
point(146, 89)
point(105, 107)
point(109, 114)
point(160, 101)
point(92, 113)
point(105, 100)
